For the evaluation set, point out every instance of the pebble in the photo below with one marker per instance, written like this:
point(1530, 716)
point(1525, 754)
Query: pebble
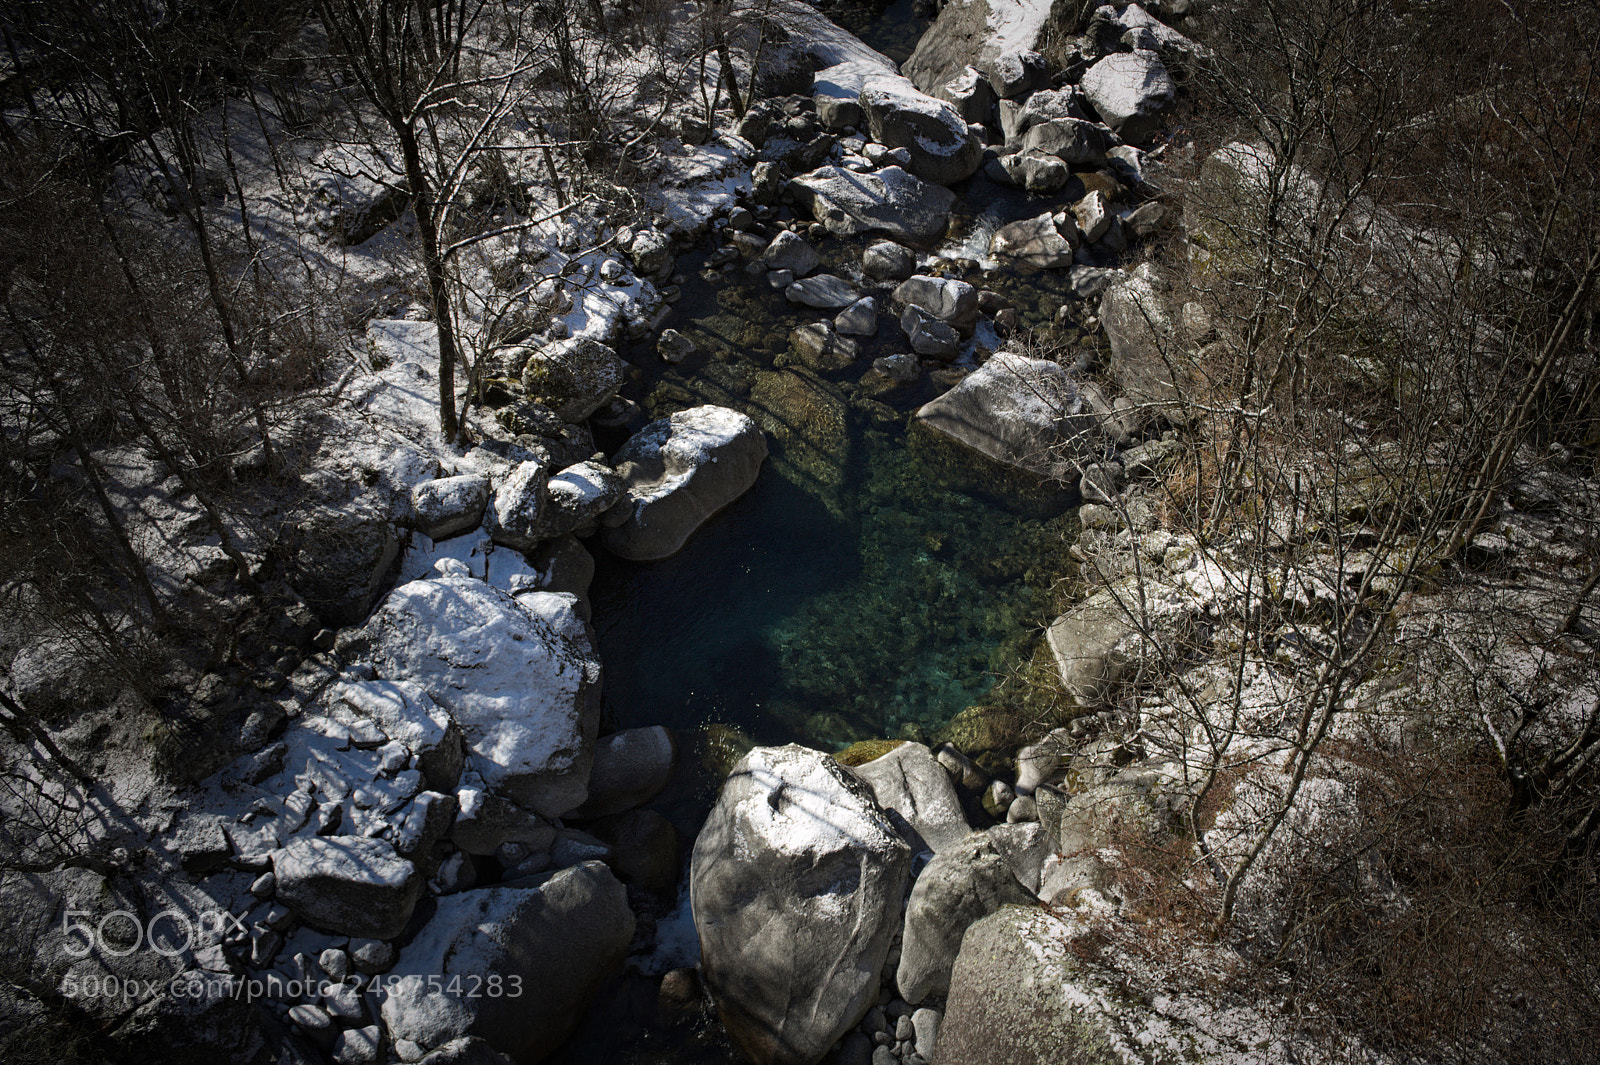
point(335, 963)
point(264, 885)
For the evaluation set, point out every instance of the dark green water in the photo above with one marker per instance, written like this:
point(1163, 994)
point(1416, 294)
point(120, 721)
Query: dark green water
point(875, 582)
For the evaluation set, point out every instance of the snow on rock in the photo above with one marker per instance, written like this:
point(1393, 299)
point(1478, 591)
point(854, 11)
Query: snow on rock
point(348, 885)
point(1021, 412)
point(943, 149)
point(518, 674)
point(516, 516)
point(573, 377)
point(448, 506)
point(981, 34)
point(514, 966)
point(577, 496)
point(888, 201)
point(679, 471)
point(795, 886)
point(1131, 91)
point(408, 714)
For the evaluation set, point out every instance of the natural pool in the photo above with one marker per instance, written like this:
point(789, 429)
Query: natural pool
point(876, 580)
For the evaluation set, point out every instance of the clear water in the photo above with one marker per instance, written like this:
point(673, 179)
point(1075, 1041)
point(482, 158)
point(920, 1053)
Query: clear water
point(875, 582)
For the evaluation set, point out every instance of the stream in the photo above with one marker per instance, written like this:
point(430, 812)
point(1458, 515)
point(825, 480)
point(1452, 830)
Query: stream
point(876, 581)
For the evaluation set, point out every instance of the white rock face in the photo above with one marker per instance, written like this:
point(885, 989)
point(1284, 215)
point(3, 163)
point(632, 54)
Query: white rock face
point(518, 675)
point(1131, 91)
point(1036, 241)
point(795, 887)
point(449, 506)
point(888, 201)
point(350, 885)
point(1022, 412)
point(911, 782)
point(408, 714)
point(943, 150)
point(679, 471)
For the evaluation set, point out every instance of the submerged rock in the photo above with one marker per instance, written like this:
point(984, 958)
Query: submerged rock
point(888, 201)
point(819, 346)
point(1021, 412)
point(678, 472)
point(795, 887)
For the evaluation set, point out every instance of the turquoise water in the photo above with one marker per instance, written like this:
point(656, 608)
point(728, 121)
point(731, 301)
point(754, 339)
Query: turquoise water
point(875, 582)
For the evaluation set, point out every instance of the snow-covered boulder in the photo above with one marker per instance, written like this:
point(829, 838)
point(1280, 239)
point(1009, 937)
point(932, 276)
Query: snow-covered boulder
point(888, 201)
point(795, 886)
point(911, 782)
point(984, 34)
point(952, 301)
point(516, 515)
point(1046, 105)
point(513, 966)
point(573, 377)
point(1131, 91)
point(1020, 412)
point(630, 768)
point(484, 821)
point(1037, 241)
point(679, 471)
point(448, 506)
point(408, 715)
point(577, 496)
point(964, 883)
point(348, 885)
point(519, 676)
point(943, 150)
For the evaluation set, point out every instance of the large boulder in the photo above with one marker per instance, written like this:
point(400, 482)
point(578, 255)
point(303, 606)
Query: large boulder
point(943, 150)
point(795, 887)
point(888, 201)
point(1014, 998)
point(981, 34)
point(1072, 140)
point(577, 496)
point(519, 676)
point(1037, 241)
point(630, 768)
point(963, 883)
point(516, 514)
point(1132, 92)
point(1021, 412)
point(514, 966)
point(573, 377)
point(343, 556)
point(348, 885)
point(1142, 331)
point(448, 506)
point(1114, 634)
point(948, 299)
point(678, 472)
point(910, 782)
